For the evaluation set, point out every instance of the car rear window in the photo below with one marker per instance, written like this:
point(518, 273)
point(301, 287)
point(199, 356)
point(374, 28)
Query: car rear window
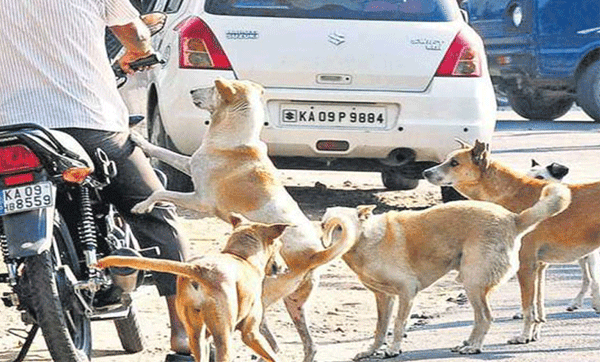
point(394, 10)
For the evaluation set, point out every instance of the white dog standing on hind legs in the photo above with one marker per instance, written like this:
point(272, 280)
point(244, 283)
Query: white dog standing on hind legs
point(590, 273)
point(232, 173)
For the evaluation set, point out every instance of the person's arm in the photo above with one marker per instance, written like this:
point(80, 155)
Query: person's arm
point(135, 37)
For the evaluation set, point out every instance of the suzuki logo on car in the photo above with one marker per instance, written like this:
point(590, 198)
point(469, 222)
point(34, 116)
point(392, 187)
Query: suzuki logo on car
point(336, 39)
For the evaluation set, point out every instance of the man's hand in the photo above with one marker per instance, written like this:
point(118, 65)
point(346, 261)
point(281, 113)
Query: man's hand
point(135, 37)
point(129, 57)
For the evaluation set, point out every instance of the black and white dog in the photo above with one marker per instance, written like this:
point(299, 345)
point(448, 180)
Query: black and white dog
point(589, 263)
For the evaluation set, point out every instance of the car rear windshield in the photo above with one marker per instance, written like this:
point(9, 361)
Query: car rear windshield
point(394, 10)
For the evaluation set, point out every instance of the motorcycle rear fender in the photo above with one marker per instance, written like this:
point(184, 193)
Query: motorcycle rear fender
point(28, 233)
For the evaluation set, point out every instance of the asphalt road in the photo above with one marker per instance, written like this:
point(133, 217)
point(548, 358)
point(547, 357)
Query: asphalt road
point(568, 336)
point(574, 141)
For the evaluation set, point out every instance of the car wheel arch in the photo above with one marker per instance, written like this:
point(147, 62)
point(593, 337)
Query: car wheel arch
point(590, 58)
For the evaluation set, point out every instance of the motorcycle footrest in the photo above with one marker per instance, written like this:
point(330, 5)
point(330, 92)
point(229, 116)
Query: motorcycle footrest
point(151, 252)
point(104, 315)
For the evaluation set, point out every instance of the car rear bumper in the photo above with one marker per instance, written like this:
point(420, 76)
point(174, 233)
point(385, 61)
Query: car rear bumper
point(426, 122)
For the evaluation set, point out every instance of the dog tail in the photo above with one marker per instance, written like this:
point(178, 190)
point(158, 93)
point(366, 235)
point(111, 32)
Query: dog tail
point(157, 265)
point(554, 199)
point(345, 239)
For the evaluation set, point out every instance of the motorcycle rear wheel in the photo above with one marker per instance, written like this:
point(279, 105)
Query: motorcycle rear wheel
point(66, 329)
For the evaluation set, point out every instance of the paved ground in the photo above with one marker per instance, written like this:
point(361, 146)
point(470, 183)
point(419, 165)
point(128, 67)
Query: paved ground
point(343, 312)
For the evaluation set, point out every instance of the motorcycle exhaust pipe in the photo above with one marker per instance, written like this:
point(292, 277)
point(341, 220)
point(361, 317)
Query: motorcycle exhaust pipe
point(127, 279)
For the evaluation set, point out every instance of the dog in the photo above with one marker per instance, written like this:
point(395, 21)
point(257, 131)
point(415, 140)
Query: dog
point(552, 172)
point(219, 293)
point(563, 238)
point(231, 172)
point(589, 263)
point(402, 253)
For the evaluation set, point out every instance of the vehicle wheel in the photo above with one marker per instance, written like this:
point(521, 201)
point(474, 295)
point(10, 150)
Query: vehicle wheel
point(66, 329)
point(449, 193)
point(588, 91)
point(130, 333)
point(176, 180)
point(537, 106)
point(395, 181)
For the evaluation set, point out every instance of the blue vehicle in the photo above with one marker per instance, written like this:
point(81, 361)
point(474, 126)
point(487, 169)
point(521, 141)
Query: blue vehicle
point(543, 54)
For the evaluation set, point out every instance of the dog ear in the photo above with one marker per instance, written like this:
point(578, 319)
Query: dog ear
point(479, 154)
point(534, 163)
point(462, 143)
point(365, 211)
point(274, 231)
point(225, 90)
point(235, 219)
point(557, 170)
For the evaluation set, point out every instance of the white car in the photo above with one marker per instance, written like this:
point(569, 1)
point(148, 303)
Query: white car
point(349, 85)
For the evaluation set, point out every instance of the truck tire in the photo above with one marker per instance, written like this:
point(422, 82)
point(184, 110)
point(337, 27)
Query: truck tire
point(176, 180)
point(130, 333)
point(538, 107)
point(588, 91)
point(52, 301)
point(393, 180)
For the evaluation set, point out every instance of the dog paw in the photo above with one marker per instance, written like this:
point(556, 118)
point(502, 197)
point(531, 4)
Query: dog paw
point(459, 347)
point(363, 355)
point(140, 141)
point(572, 308)
point(470, 350)
point(519, 340)
point(387, 353)
point(143, 207)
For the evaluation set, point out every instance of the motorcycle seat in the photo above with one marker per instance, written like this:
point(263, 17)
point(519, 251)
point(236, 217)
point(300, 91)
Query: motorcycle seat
point(66, 140)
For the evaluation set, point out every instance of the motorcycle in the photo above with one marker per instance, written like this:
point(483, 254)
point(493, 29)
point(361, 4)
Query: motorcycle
point(54, 226)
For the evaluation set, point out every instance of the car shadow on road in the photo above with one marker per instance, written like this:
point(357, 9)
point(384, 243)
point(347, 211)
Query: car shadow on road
point(315, 200)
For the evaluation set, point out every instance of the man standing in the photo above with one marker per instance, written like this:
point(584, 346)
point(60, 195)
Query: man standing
point(54, 72)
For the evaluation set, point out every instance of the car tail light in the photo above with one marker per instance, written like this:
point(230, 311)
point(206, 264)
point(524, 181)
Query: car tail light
point(462, 59)
point(17, 158)
point(199, 48)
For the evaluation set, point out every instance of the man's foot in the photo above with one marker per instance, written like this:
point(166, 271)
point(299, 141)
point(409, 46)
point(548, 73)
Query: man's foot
point(179, 341)
point(179, 357)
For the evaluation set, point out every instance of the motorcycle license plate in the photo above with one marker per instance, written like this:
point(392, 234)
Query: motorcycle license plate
point(25, 198)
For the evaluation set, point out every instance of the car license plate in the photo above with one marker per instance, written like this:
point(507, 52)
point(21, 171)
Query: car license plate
point(322, 115)
point(25, 198)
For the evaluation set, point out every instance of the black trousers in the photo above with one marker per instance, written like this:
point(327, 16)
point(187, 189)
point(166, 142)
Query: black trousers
point(135, 181)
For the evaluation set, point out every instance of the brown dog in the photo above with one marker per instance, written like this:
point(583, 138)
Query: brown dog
point(219, 293)
point(402, 253)
point(563, 238)
point(233, 173)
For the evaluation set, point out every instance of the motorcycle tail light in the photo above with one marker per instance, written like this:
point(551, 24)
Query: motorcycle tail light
point(22, 178)
point(199, 48)
point(462, 59)
point(76, 175)
point(17, 158)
